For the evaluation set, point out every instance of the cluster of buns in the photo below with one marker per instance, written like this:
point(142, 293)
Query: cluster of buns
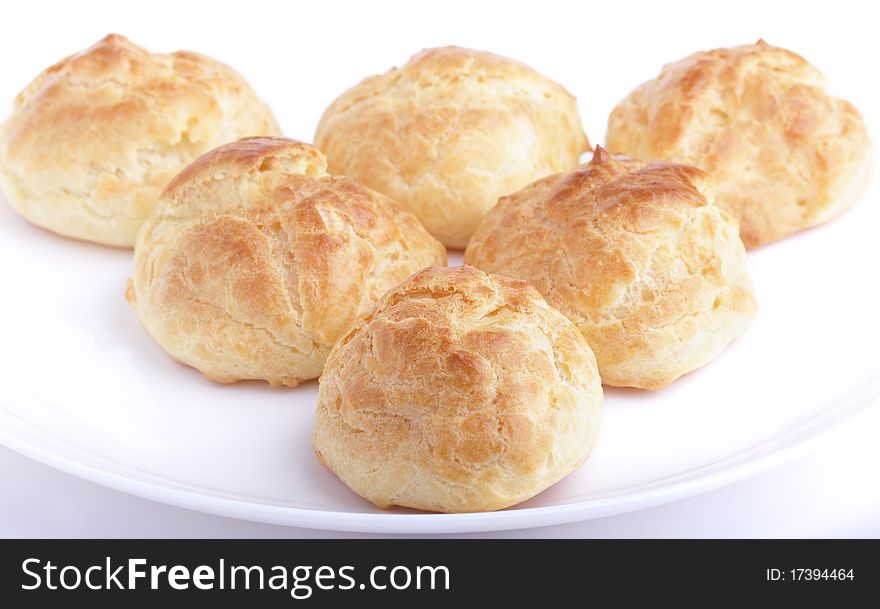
point(452, 390)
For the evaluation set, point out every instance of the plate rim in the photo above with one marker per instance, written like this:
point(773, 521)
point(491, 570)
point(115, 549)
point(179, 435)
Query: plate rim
point(793, 442)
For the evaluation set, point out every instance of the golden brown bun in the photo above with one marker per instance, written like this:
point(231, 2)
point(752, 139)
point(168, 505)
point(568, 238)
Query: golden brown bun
point(93, 139)
point(256, 260)
point(785, 155)
point(449, 133)
point(635, 255)
point(461, 392)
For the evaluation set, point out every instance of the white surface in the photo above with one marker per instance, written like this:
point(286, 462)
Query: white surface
point(75, 364)
point(825, 494)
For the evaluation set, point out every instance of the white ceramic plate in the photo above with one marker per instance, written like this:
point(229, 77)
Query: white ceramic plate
point(83, 388)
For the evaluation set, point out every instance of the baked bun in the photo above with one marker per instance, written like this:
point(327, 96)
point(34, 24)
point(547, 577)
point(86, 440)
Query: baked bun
point(93, 139)
point(449, 133)
point(635, 255)
point(785, 154)
point(256, 260)
point(460, 392)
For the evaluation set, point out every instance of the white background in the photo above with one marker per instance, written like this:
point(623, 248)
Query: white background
point(299, 56)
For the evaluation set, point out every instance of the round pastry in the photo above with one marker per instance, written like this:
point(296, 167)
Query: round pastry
point(460, 392)
point(93, 139)
point(449, 133)
point(255, 261)
point(784, 154)
point(635, 255)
